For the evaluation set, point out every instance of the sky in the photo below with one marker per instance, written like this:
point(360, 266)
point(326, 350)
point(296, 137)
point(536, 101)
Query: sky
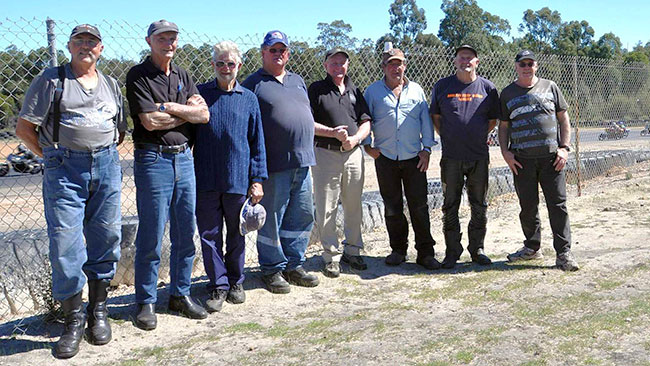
point(628, 19)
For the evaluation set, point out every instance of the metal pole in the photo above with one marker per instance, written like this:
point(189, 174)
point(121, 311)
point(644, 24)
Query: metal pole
point(51, 42)
point(577, 124)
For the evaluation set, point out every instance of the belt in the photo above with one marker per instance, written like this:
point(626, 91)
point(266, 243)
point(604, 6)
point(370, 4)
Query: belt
point(165, 149)
point(327, 146)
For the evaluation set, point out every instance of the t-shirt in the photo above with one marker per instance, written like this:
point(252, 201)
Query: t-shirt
point(286, 118)
point(531, 113)
point(88, 117)
point(147, 85)
point(466, 110)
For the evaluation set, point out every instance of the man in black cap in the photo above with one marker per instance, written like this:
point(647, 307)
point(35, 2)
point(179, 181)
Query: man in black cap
point(164, 103)
point(79, 114)
point(464, 109)
point(342, 121)
point(536, 151)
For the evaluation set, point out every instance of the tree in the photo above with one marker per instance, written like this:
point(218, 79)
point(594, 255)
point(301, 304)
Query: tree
point(406, 21)
point(608, 46)
point(335, 34)
point(574, 38)
point(542, 27)
point(466, 23)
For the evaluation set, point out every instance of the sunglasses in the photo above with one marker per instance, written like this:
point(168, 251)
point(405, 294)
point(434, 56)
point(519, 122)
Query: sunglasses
point(89, 42)
point(221, 64)
point(277, 50)
point(524, 64)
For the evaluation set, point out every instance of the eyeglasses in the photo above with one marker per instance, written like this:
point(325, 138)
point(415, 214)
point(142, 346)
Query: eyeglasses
point(277, 50)
point(221, 64)
point(89, 42)
point(524, 64)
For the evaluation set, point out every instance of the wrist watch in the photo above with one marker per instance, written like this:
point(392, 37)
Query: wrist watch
point(162, 107)
point(427, 149)
point(565, 147)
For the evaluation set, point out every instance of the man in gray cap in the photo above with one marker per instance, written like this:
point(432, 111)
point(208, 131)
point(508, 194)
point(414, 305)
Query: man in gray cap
point(164, 103)
point(534, 134)
point(73, 117)
point(342, 121)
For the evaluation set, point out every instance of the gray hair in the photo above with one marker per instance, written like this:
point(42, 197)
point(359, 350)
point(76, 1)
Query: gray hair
point(226, 47)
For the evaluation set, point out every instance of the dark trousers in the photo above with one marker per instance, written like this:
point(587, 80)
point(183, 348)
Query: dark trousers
point(211, 210)
point(541, 171)
point(391, 174)
point(455, 174)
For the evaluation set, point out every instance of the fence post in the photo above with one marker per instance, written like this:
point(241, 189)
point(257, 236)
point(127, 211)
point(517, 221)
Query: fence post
point(577, 124)
point(51, 42)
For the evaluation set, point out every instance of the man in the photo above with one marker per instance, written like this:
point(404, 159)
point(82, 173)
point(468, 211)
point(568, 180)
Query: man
point(464, 109)
point(403, 135)
point(73, 117)
point(342, 122)
point(230, 163)
point(532, 108)
point(289, 134)
point(164, 104)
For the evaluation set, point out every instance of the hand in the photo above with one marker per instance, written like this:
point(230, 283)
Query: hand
point(350, 143)
point(561, 158)
point(195, 99)
point(256, 192)
point(513, 164)
point(423, 164)
point(340, 133)
point(372, 151)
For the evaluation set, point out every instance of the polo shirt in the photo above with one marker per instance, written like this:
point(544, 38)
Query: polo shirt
point(286, 118)
point(332, 109)
point(147, 85)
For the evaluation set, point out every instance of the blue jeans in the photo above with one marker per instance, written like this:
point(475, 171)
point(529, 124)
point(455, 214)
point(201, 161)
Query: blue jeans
point(165, 190)
point(81, 195)
point(282, 241)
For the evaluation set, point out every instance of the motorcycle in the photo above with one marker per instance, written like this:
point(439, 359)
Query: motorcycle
point(22, 160)
point(614, 133)
point(646, 130)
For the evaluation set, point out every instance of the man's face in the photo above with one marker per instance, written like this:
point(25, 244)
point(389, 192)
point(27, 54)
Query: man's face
point(466, 61)
point(226, 67)
point(394, 70)
point(85, 48)
point(526, 68)
point(337, 66)
point(163, 44)
point(276, 55)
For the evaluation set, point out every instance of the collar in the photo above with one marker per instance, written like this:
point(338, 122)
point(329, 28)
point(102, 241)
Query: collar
point(346, 81)
point(266, 73)
point(213, 84)
point(152, 69)
point(404, 86)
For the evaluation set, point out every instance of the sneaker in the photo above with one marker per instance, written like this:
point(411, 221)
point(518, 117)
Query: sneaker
point(215, 302)
point(566, 262)
point(428, 262)
point(332, 269)
point(480, 258)
point(276, 283)
point(236, 294)
point(394, 259)
point(525, 254)
point(355, 262)
point(299, 277)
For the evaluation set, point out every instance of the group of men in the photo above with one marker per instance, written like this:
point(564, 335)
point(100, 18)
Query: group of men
point(257, 143)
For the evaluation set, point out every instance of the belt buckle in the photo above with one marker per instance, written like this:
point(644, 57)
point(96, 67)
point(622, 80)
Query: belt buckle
point(341, 148)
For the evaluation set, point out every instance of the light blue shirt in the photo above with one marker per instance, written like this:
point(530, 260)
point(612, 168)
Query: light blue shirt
point(400, 126)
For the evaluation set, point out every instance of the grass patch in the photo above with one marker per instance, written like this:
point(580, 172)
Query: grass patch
point(133, 362)
point(244, 327)
point(537, 362)
point(464, 356)
point(156, 352)
point(434, 363)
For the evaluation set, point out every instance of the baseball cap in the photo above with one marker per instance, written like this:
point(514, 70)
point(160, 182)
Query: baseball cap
point(274, 37)
point(466, 47)
point(161, 26)
point(392, 54)
point(525, 54)
point(86, 28)
point(251, 217)
point(334, 51)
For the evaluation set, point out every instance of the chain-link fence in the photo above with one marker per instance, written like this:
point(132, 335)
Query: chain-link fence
point(599, 92)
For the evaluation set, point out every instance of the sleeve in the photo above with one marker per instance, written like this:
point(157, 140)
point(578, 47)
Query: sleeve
point(39, 97)
point(435, 107)
point(504, 113)
point(367, 95)
point(560, 102)
point(191, 85)
point(313, 99)
point(121, 116)
point(138, 94)
point(361, 107)
point(426, 125)
point(258, 171)
point(495, 106)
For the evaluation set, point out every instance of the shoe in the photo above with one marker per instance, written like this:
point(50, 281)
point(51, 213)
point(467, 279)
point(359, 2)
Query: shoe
point(300, 277)
point(276, 283)
point(75, 322)
point(355, 262)
point(215, 302)
point(449, 262)
point(332, 269)
point(428, 262)
point(236, 294)
point(480, 258)
point(566, 262)
point(525, 254)
point(99, 329)
point(146, 317)
point(394, 259)
point(186, 306)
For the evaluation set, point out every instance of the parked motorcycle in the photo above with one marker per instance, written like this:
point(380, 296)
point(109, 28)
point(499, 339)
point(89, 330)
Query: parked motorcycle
point(22, 160)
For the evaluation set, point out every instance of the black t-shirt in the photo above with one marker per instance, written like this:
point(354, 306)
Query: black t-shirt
point(147, 85)
point(331, 108)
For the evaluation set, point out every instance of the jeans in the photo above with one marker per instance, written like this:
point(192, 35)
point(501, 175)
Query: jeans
point(282, 241)
point(165, 190)
point(390, 176)
point(540, 171)
point(211, 210)
point(474, 175)
point(81, 195)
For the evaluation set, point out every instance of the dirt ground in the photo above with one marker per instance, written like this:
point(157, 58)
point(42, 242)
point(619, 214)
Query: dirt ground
point(505, 314)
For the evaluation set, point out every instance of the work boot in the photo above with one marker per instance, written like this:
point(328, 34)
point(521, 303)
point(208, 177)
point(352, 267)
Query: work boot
point(99, 329)
point(75, 322)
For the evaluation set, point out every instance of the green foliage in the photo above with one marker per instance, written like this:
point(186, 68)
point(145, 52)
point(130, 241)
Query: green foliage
point(466, 23)
point(542, 27)
point(406, 21)
point(336, 34)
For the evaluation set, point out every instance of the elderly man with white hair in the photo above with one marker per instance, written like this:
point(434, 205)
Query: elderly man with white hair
point(230, 164)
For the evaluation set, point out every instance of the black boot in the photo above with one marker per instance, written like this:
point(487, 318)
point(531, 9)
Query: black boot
point(75, 322)
point(99, 330)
